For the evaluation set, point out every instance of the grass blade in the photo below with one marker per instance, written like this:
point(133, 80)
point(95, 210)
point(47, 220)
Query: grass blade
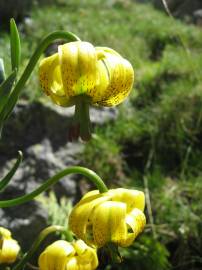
point(15, 45)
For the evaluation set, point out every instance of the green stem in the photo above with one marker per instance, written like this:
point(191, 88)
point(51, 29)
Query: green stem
point(36, 244)
point(92, 176)
point(82, 125)
point(33, 60)
point(4, 182)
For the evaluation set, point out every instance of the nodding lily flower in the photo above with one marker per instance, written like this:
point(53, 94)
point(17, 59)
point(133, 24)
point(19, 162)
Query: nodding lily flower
point(9, 247)
point(62, 255)
point(80, 74)
point(115, 217)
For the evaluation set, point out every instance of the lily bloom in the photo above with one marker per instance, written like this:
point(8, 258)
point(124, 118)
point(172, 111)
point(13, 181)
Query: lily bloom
point(9, 247)
point(115, 217)
point(80, 74)
point(62, 255)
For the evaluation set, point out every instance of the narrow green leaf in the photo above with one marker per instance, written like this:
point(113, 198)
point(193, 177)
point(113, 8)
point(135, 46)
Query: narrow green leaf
point(4, 182)
point(2, 71)
point(5, 89)
point(15, 45)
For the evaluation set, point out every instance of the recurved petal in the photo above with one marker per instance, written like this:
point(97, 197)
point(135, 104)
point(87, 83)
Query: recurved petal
point(102, 82)
point(139, 220)
point(136, 222)
point(132, 198)
point(78, 67)
point(89, 257)
point(51, 81)
point(121, 80)
point(56, 255)
point(80, 246)
point(80, 218)
point(72, 264)
point(101, 52)
point(9, 251)
point(109, 223)
point(86, 255)
point(5, 233)
point(90, 194)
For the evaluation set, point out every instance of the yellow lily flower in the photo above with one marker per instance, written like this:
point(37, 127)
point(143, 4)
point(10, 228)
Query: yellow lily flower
point(62, 255)
point(80, 74)
point(9, 247)
point(115, 216)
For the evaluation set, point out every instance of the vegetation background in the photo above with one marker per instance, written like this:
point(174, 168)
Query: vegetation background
point(155, 143)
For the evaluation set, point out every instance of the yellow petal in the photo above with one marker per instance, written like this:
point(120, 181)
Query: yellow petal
point(121, 80)
point(102, 82)
point(48, 67)
point(90, 194)
point(61, 100)
point(109, 223)
point(121, 77)
point(78, 67)
point(9, 251)
point(80, 246)
point(136, 221)
point(72, 264)
point(51, 81)
point(80, 217)
point(5, 233)
point(133, 198)
point(102, 50)
point(56, 255)
point(87, 256)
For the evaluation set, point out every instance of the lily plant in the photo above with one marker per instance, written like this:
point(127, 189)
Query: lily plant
point(79, 75)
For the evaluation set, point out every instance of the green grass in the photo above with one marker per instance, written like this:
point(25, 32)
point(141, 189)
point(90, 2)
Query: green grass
point(158, 130)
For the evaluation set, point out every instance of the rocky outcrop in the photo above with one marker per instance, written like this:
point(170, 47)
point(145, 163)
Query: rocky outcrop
point(40, 131)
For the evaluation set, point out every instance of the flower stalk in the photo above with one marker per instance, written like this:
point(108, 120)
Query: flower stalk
point(81, 123)
point(92, 176)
